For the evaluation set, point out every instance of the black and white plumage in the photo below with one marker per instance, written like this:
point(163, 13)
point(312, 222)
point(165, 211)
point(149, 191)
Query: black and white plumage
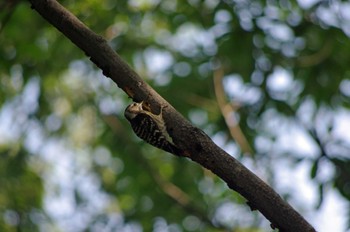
point(150, 127)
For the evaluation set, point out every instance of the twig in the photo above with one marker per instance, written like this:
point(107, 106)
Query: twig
point(11, 6)
point(227, 111)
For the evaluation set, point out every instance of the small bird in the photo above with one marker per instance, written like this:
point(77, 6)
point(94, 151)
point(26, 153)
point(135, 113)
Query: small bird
point(150, 127)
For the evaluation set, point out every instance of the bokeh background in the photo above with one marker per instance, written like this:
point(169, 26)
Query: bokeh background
point(268, 81)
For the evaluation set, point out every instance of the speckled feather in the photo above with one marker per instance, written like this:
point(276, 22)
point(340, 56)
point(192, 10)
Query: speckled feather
point(145, 125)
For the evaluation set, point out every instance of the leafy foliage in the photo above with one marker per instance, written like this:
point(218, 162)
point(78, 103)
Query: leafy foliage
point(285, 73)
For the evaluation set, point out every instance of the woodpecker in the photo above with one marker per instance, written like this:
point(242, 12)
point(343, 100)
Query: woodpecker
point(150, 127)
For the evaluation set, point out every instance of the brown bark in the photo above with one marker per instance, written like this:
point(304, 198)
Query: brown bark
point(195, 142)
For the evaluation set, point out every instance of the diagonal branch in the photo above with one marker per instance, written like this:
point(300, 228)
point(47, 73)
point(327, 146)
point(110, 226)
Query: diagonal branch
point(171, 190)
point(227, 110)
point(195, 142)
point(9, 7)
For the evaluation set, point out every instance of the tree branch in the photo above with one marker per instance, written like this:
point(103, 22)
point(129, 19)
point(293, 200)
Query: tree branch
point(171, 190)
point(195, 142)
point(227, 111)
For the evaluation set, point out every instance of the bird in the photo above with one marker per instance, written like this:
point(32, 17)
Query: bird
point(150, 127)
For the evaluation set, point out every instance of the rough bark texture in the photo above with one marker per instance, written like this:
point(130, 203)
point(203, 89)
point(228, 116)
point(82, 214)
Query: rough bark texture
point(195, 142)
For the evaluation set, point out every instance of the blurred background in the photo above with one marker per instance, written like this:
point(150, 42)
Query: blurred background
point(268, 81)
